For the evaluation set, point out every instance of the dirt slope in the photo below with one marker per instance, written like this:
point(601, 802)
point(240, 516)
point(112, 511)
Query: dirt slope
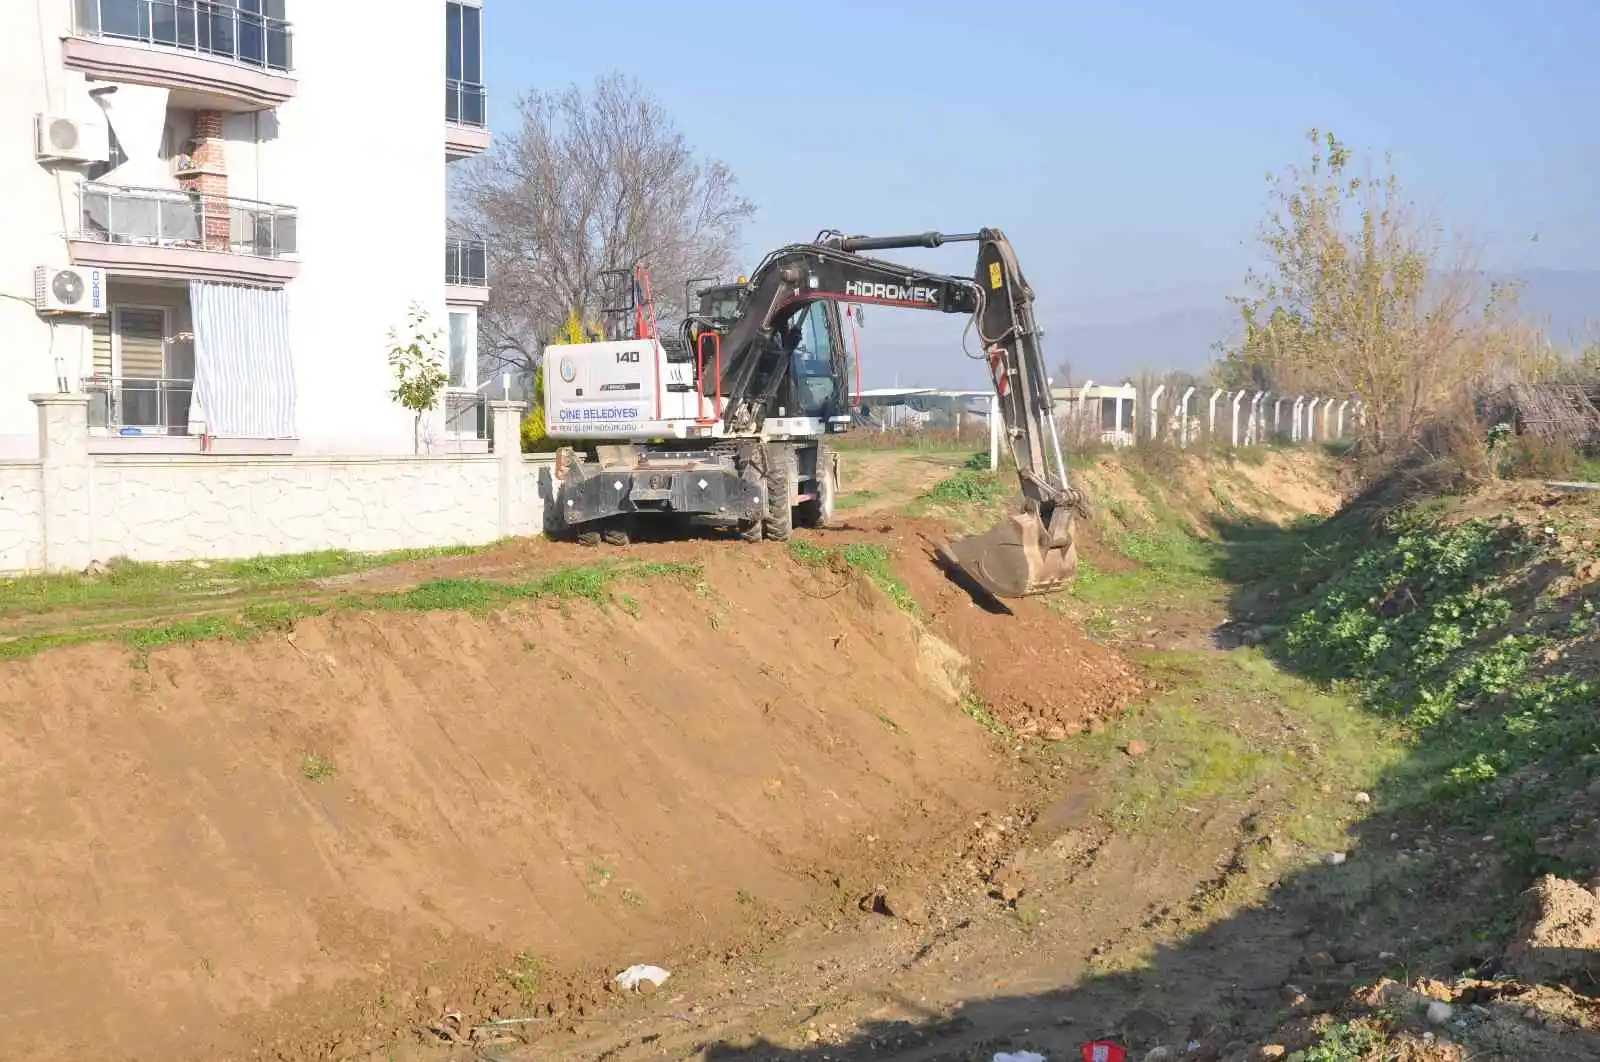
point(232, 847)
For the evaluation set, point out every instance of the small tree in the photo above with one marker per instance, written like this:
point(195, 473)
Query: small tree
point(419, 370)
point(1363, 296)
point(535, 434)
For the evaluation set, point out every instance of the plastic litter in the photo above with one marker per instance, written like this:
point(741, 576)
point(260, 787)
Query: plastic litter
point(1020, 1056)
point(635, 975)
point(1104, 1051)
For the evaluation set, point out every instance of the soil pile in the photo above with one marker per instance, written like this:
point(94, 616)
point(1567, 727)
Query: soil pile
point(1033, 672)
point(291, 848)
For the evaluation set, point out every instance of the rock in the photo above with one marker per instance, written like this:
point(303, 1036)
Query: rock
point(1055, 733)
point(1335, 858)
point(1160, 1054)
point(1363, 798)
point(1136, 749)
point(1319, 960)
point(1439, 1013)
point(1273, 1051)
point(906, 905)
point(1559, 937)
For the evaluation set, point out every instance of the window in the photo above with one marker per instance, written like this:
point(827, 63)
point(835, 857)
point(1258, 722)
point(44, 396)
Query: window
point(814, 357)
point(463, 350)
point(464, 96)
point(134, 385)
point(249, 31)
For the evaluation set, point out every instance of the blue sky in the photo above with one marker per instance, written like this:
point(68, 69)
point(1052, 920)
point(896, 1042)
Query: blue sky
point(1122, 146)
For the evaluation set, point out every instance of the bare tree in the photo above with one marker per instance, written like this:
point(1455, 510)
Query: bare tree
point(590, 180)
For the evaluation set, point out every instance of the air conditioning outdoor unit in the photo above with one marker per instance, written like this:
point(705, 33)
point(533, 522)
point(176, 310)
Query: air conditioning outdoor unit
point(69, 290)
point(61, 139)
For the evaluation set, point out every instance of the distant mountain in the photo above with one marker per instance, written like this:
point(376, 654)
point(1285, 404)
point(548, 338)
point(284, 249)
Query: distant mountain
point(1565, 302)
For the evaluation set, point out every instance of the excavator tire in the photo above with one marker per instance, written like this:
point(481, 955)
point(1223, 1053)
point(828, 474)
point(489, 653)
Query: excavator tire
point(588, 538)
point(818, 512)
point(780, 495)
point(752, 530)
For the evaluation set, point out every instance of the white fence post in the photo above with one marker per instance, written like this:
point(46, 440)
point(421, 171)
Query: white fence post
point(1155, 411)
point(1234, 426)
point(1211, 423)
point(1294, 415)
point(1185, 419)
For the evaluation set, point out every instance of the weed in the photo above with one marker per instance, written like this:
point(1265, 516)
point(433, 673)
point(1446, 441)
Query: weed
point(316, 768)
point(893, 726)
point(967, 487)
point(875, 562)
point(525, 973)
point(1344, 1042)
point(855, 499)
point(972, 705)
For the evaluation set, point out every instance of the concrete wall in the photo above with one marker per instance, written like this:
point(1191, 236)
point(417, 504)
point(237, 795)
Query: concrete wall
point(21, 515)
point(73, 507)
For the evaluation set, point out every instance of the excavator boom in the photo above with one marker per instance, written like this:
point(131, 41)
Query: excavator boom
point(1031, 550)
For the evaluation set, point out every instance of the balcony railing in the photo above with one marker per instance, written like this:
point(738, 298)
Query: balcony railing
point(466, 103)
point(156, 217)
point(466, 415)
point(213, 30)
point(466, 263)
point(131, 406)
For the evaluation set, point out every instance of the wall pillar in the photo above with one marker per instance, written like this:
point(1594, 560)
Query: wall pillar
point(65, 474)
point(508, 449)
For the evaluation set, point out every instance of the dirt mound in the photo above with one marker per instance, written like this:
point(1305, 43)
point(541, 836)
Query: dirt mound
point(295, 847)
point(1033, 672)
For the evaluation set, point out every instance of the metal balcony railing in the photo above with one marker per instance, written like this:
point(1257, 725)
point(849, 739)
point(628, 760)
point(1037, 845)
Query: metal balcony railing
point(214, 30)
point(169, 217)
point(132, 406)
point(466, 263)
point(466, 103)
point(466, 415)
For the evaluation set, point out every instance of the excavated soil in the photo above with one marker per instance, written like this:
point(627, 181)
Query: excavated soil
point(1033, 672)
point(309, 845)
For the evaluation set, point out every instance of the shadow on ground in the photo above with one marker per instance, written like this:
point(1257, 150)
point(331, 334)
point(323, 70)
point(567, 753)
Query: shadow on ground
point(1404, 896)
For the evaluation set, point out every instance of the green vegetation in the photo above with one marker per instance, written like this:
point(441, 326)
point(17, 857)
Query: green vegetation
point(591, 582)
point(1442, 627)
point(872, 561)
point(127, 583)
point(1350, 1042)
point(316, 768)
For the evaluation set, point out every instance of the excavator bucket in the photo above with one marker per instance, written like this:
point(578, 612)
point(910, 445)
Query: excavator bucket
point(1020, 556)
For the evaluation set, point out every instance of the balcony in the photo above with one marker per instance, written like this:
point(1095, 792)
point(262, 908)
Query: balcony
point(211, 55)
point(127, 406)
point(466, 272)
point(170, 233)
point(466, 119)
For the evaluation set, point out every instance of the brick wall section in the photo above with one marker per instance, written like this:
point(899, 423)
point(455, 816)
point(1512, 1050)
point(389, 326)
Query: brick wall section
point(211, 159)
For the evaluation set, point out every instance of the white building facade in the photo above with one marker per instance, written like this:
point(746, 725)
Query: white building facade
point(217, 210)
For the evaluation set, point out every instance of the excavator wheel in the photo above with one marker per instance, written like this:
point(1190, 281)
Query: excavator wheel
point(818, 512)
point(615, 536)
point(588, 538)
point(751, 531)
point(780, 495)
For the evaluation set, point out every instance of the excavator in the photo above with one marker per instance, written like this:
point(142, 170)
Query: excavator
point(726, 422)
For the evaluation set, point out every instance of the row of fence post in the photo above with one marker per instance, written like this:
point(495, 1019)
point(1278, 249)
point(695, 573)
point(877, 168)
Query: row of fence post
point(1311, 417)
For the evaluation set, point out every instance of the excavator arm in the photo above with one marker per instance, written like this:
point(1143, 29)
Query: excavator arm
point(1031, 551)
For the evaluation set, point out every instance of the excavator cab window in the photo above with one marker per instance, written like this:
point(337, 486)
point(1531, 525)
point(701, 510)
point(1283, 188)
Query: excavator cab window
point(816, 351)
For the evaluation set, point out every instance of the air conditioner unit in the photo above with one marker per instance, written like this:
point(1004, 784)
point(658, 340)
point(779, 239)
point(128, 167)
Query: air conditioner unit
point(69, 289)
point(61, 139)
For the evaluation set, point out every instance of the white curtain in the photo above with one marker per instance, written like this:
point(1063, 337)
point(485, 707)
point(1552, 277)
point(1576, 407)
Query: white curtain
point(243, 371)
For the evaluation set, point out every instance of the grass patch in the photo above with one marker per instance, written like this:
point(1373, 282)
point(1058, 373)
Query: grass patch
point(875, 562)
point(1441, 627)
point(967, 487)
point(972, 705)
point(593, 583)
point(133, 583)
point(1235, 725)
point(316, 768)
point(855, 499)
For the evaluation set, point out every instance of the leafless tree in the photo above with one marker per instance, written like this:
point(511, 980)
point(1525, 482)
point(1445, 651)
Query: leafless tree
point(590, 180)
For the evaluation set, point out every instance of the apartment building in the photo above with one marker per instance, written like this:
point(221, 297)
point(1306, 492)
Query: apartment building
point(216, 210)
